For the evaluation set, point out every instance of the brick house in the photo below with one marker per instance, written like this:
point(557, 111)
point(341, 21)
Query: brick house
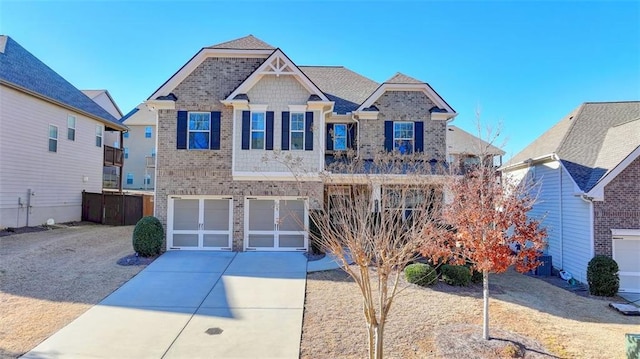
point(588, 167)
point(222, 114)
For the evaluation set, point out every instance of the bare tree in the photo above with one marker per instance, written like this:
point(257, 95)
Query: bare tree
point(491, 230)
point(378, 214)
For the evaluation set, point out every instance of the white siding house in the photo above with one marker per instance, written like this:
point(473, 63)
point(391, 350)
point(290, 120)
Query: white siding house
point(51, 142)
point(139, 145)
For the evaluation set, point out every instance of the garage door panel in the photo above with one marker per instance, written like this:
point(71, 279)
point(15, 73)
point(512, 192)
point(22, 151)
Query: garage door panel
point(261, 215)
point(291, 215)
point(185, 240)
point(215, 240)
point(629, 283)
point(627, 255)
point(216, 214)
point(291, 240)
point(261, 240)
point(185, 214)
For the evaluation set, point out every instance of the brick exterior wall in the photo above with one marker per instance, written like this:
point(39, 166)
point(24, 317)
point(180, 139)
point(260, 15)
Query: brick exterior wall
point(403, 106)
point(620, 208)
point(208, 172)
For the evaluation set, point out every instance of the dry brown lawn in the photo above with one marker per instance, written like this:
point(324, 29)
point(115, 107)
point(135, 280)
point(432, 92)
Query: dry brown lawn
point(47, 279)
point(444, 321)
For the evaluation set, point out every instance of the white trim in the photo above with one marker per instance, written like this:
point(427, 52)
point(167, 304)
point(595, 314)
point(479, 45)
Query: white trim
point(75, 120)
point(426, 89)
point(200, 231)
point(49, 138)
point(101, 135)
point(303, 131)
point(625, 232)
point(282, 64)
point(597, 192)
point(258, 108)
point(443, 116)
point(273, 176)
point(197, 59)
point(189, 131)
point(160, 105)
point(297, 108)
point(263, 131)
point(412, 139)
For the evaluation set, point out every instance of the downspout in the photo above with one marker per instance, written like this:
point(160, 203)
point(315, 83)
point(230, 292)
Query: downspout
point(561, 219)
point(589, 200)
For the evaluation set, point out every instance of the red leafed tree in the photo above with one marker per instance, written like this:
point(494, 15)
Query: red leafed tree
point(490, 229)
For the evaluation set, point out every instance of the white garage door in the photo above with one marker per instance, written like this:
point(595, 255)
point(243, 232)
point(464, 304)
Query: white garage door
point(200, 223)
point(276, 224)
point(626, 252)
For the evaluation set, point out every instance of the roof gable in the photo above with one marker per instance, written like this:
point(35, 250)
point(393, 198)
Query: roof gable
point(460, 141)
point(248, 42)
point(400, 78)
point(22, 70)
point(104, 99)
point(277, 64)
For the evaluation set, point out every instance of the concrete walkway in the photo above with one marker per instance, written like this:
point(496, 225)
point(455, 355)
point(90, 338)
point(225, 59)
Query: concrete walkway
point(194, 305)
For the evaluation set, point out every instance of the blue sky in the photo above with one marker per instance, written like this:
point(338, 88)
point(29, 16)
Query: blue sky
point(524, 64)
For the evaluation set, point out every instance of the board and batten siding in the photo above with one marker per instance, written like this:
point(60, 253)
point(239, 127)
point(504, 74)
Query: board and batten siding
point(576, 230)
point(56, 179)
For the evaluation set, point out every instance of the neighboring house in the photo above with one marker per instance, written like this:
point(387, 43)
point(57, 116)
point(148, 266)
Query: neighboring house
point(230, 107)
point(111, 174)
point(51, 142)
point(588, 167)
point(465, 149)
point(139, 146)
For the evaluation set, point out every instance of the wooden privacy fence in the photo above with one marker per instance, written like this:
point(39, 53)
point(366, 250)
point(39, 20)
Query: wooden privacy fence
point(116, 209)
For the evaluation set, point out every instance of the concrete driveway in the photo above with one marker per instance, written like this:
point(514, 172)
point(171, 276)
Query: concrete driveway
point(194, 305)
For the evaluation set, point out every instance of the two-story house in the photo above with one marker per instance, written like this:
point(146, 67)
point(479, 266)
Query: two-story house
point(139, 146)
point(222, 114)
point(52, 142)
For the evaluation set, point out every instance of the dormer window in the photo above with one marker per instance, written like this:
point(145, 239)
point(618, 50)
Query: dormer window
point(403, 137)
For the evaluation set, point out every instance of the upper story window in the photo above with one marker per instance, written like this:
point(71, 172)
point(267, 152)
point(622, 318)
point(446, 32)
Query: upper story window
point(129, 178)
point(53, 138)
point(297, 131)
point(99, 132)
point(403, 137)
point(257, 130)
point(199, 130)
point(126, 152)
point(71, 128)
point(340, 137)
point(153, 151)
point(125, 135)
point(148, 131)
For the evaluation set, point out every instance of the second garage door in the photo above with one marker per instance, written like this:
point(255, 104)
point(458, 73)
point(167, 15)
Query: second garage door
point(276, 224)
point(626, 252)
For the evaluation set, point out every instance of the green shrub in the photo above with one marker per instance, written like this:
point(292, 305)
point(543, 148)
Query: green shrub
point(476, 276)
point(456, 275)
point(602, 276)
point(420, 274)
point(148, 236)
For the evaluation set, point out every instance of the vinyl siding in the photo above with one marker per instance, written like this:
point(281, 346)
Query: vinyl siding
point(139, 147)
point(57, 179)
point(548, 206)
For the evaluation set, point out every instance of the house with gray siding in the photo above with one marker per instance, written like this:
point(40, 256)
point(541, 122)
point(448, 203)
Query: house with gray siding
point(588, 170)
point(224, 115)
point(139, 146)
point(52, 142)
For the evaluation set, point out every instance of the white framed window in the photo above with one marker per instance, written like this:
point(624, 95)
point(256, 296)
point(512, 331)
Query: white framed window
point(147, 179)
point(99, 132)
point(403, 137)
point(258, 130)
point(153, 151)
point(340, 137)
point(53, 138)
point(129, 178)
point(71, 128)
point(126, 152)
point(148, 131)
point(403, 201)
point(125, 135)
point(296, 129)
point(199, 130)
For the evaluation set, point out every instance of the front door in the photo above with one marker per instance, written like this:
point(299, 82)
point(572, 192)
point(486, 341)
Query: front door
point(200, 223)
point(276, 224)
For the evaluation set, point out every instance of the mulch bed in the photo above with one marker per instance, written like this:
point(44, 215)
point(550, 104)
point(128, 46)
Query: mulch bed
point(135, 260)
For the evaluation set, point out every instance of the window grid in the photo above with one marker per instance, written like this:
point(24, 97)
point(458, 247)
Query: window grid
point(53, 138)
point(129, 178)
point(71, 128)
point(340, 137)
point(258, 130)
point(98, 136)
point(403, 137)
point(126, 152)
point(296, 129)
point(147, 132)
point(199, 130)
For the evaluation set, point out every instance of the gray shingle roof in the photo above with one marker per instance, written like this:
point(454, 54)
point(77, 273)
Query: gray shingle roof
point(248, 42)
point(590, 141)
point(400, 78)
point(341, 85)
point(460, 141)
point(20, 68)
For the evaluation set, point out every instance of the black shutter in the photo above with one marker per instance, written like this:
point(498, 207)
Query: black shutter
point(388, 136)
point(308, 132)
point(246, 129)
point(214, 144)
point(285, 131)
point(268, 145)
point(419, 135)
point(330, 137)
point(181, 130)
point(351, 136)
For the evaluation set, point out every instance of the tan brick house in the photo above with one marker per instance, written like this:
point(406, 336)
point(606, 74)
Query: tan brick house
point(222, 114)
point(588, 166)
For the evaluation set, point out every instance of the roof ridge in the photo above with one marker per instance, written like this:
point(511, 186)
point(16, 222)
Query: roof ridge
point(248, 42)
point(336, 66)
point(603, 102)
point(625, 123)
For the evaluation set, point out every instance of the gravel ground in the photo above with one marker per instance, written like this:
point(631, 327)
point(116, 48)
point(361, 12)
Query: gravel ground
point(540, 319)
point(49, 278)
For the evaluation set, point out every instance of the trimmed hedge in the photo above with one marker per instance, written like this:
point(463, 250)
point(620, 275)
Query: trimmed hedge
point(148, 236)
point(602, 276)
point(420, 274)
point(456, 275)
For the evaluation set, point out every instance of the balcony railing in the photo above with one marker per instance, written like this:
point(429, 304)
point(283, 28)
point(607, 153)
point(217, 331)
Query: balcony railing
point(113, 156)
point(150, 161)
